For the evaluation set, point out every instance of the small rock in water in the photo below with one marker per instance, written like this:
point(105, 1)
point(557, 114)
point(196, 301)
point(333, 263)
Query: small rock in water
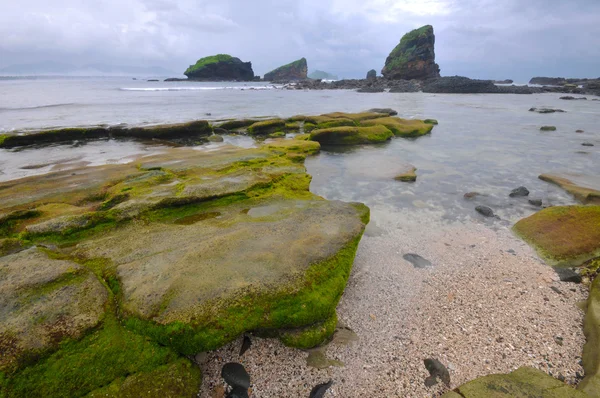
point(389, 111)
point(215, 138)
point(518, 192)
point(417, 261)
point(319, 390)
point(568, 275)
point(535, 202)
point(471, 195)
point(318, 359)
point(235, 375)
point(546, 110)
point(579, 131)
point(485, 211)
point(436, 370)
point(548, 128)
point(587, 144)
point(246, 344)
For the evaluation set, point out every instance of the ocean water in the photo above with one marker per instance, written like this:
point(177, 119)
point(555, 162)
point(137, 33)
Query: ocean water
point(486, 143)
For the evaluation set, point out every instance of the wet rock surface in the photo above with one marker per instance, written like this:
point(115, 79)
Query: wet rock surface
point(417, 261)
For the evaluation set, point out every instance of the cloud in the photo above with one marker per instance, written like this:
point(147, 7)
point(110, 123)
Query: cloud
point(479, 38)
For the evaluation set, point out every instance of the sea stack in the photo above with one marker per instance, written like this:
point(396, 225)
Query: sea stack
point(414, 57)
point(220, 67)
point(296, 70)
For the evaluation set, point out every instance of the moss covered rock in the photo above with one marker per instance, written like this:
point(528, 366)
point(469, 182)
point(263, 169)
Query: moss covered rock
point(585, 189)
point(591, 351)
point(563, 235)
point(523, 382)
point(401, 127)
point(44, 301)
point(266, 127)
point(310, 336)
point(352, 135)
point(407, 176)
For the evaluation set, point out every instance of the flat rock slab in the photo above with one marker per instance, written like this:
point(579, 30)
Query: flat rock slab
point(169, 271)
point(523, 382)
point(563, 235)
point(43, 301)
point(585, 188)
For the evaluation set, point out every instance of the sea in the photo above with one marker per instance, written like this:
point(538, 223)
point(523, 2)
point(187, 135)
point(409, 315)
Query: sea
point(485, 143)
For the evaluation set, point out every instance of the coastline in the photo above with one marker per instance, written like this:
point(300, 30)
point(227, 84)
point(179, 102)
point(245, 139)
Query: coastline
point(479, 310)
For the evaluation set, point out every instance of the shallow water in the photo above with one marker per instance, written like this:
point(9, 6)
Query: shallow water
point(485, 143)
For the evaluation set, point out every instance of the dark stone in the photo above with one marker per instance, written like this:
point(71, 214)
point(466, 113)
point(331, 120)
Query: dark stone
point(246, 344)
point(459, 85)
point(238, 392)
point(417, 261)
point(436, 370)
point(319, 390)
point(485, 211)
point(568, 275)
point(372, 74)
point(507, 81)
point(555, 289)
point(388, 111)
point(535, 202)
point(235, 375)
point(587, 144)
point(546, 110)
point(548, 128)
point(579, 131)
point(413, 57)
point(220, 131)
point(570, 98)
point(548, 81)
point(518, 192)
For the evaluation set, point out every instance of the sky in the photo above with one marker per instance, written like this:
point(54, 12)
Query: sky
point(495, 39)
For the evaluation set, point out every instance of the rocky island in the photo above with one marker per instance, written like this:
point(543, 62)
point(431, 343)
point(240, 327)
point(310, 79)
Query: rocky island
point(296, 70)
point(413, 57)
point(220, 67)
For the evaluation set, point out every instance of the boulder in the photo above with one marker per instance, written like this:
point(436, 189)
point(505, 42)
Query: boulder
point(401, 127)
point(220, 67)
point(413, 57)
point(296, 70)
point(563, 235)
point(372, 74)
point(523, 382)
point(519, 192)
point(352, 135)
point(407, 176)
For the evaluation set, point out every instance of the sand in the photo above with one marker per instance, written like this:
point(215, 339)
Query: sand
point(485, 306)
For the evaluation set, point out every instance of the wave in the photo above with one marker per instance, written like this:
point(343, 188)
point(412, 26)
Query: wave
point(36, 107)
point(197, 88)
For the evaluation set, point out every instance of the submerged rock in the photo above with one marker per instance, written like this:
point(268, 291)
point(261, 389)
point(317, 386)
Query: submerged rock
point(407, 176)
point(485, 211)
point(220, 67)
point(413, 57)
point(587, 144)
point(215, 138)
point(535, 202)
point(387, 111)
point(568, 275)
point(352, 135)
point(585, 188)
point(519, 192)
point(436, 370)
point(546, 110)
point(296, 70)
point(417, 261)
point(548, 128)
point(235, 375)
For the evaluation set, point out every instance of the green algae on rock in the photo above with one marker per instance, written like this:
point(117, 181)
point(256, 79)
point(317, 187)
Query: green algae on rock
point(585, 189)
point(310, 336)
point(413, 57)
point(44, 301)
point(401, 127)
point(523, 382)
point(220, 67)
point(563, 235)
point(266, 127)
point(352, 135)
point(591, 351)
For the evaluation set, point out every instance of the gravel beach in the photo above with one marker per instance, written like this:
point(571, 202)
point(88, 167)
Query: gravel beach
point(486, 305)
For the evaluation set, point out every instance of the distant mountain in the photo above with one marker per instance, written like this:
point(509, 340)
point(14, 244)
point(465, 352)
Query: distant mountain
point(58, 68)
point(319, 74)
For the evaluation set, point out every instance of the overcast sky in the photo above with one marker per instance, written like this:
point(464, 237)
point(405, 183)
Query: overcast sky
point(477, 38)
